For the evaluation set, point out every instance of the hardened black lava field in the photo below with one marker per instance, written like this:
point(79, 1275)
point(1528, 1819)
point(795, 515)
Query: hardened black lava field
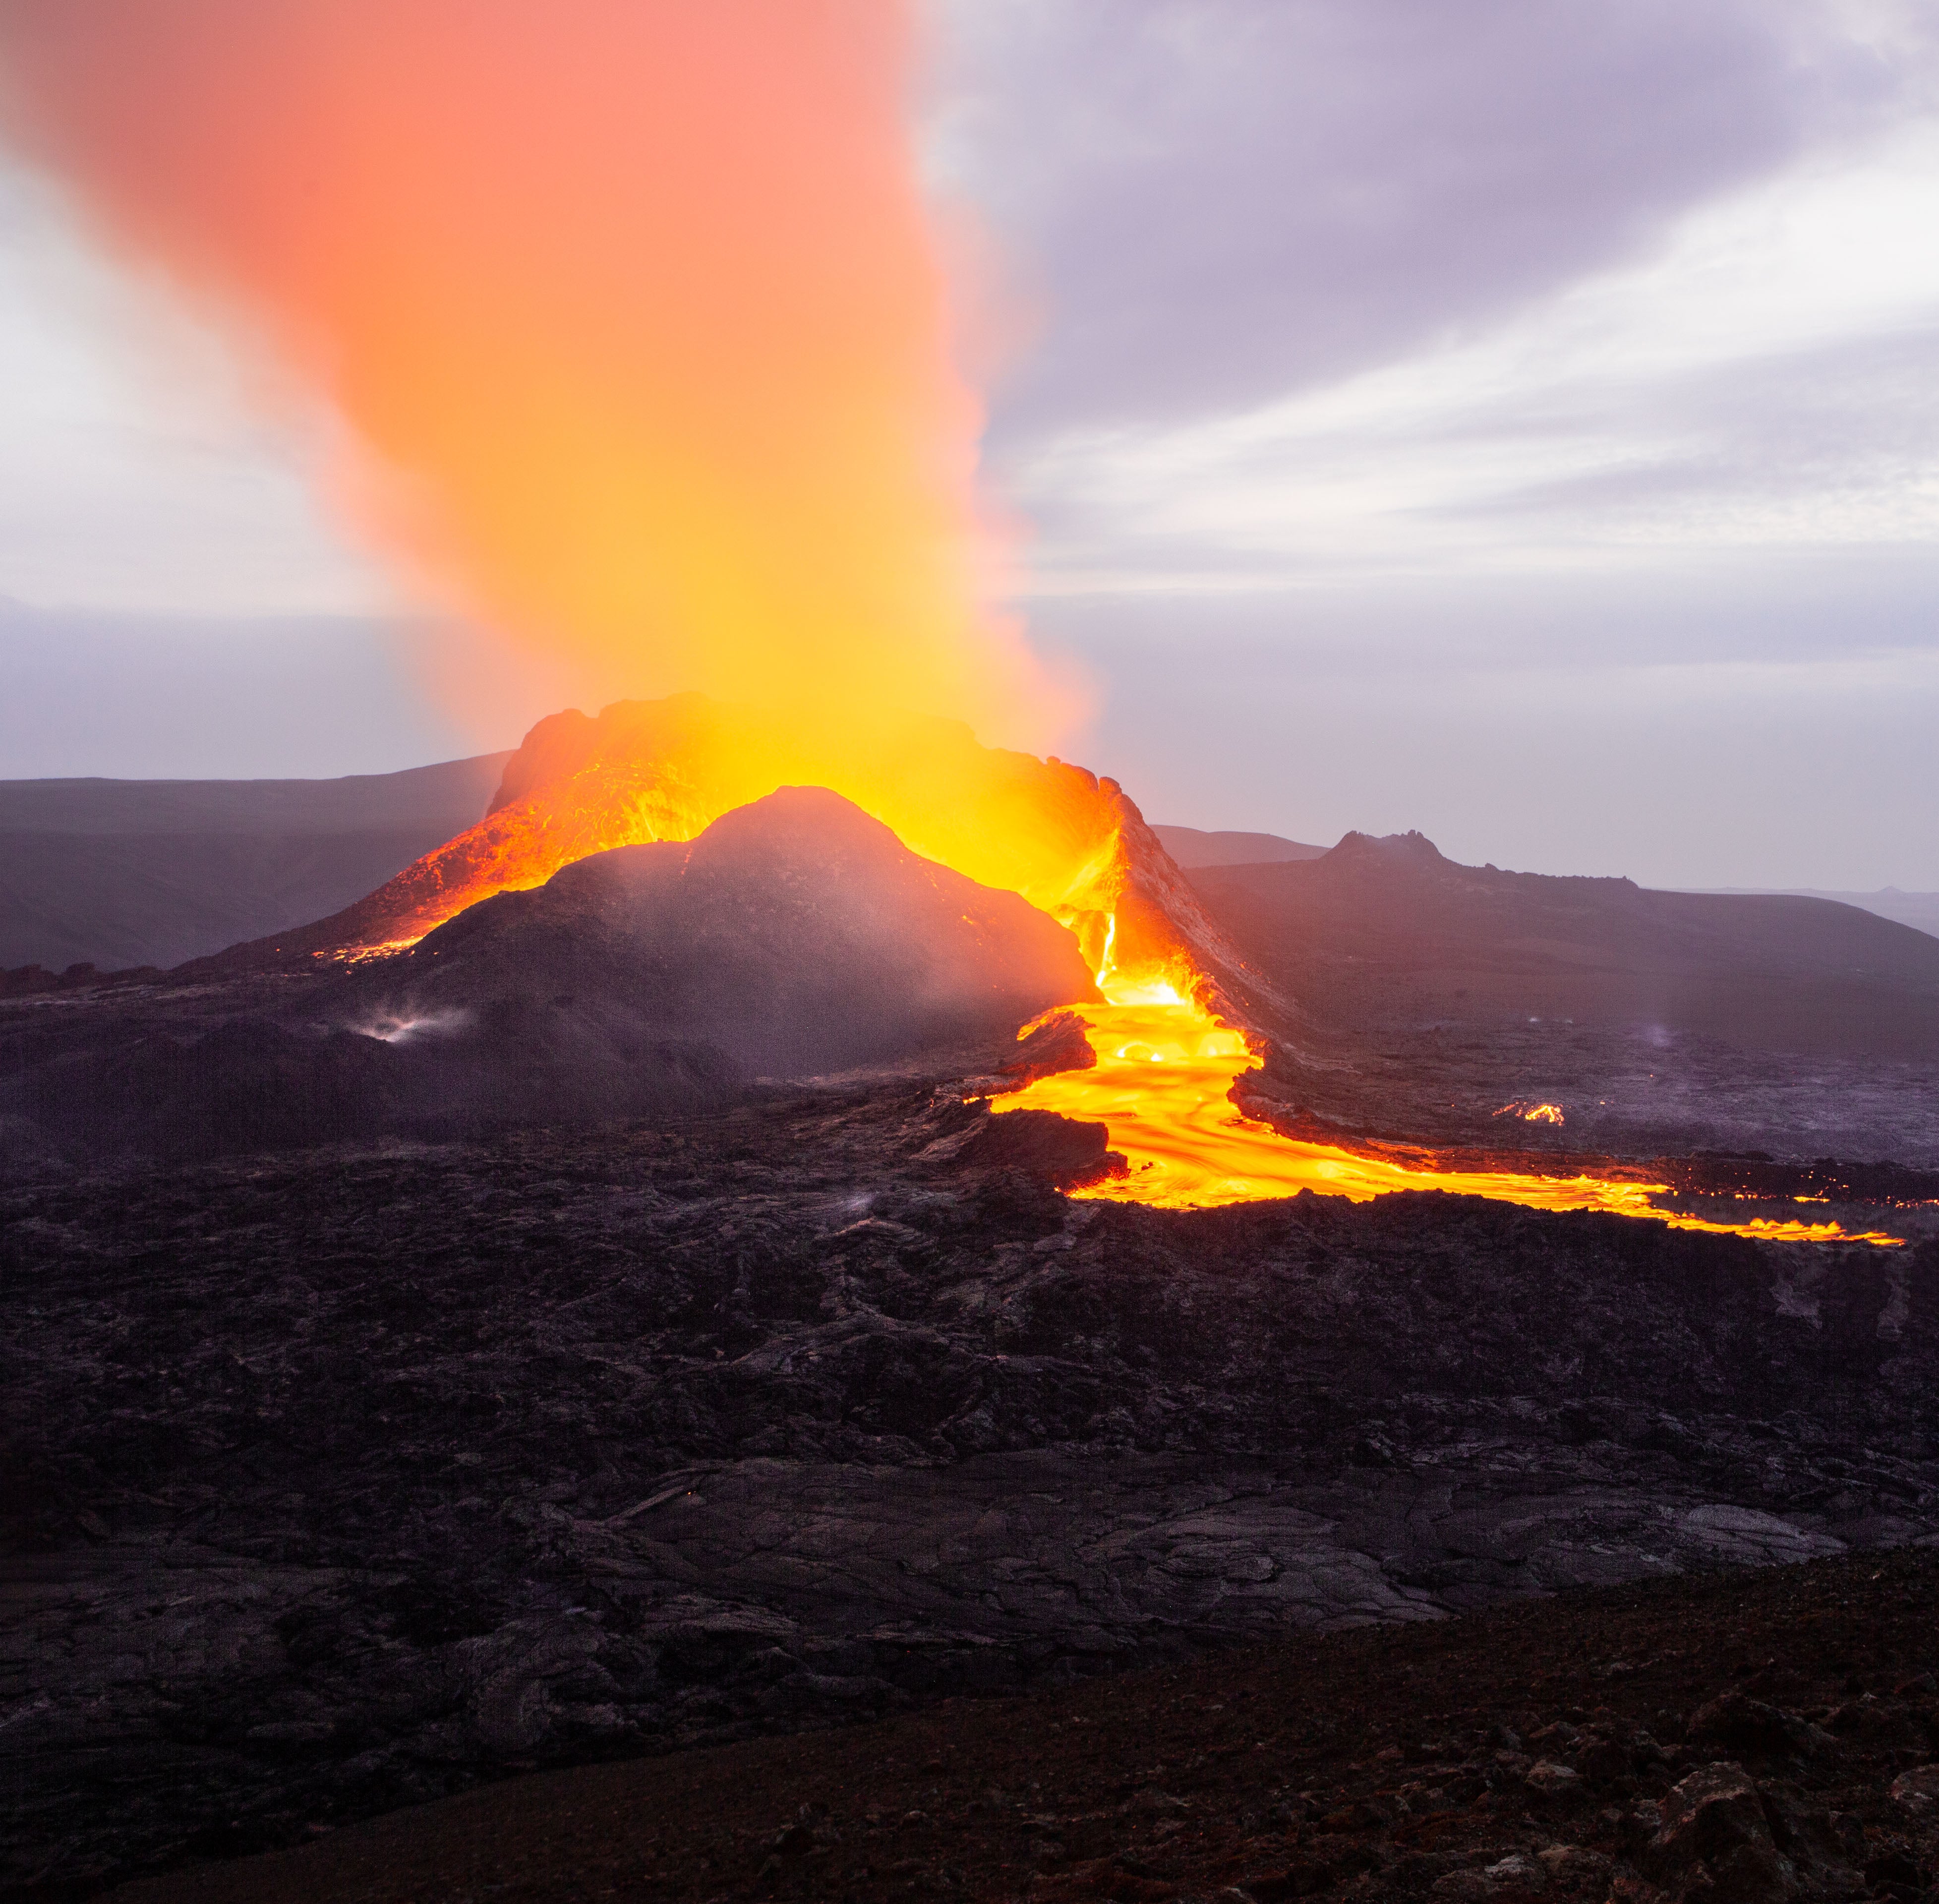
point(346, 1479)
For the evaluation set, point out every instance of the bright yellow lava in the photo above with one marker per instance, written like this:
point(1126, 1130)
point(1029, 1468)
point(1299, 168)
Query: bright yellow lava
point(1162, 1083)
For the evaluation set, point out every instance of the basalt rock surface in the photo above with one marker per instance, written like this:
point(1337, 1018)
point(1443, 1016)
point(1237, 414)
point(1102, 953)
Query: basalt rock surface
point(338, 1481)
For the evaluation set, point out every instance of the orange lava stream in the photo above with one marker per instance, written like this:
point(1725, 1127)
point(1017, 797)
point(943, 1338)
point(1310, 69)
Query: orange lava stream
point(1161, 1085)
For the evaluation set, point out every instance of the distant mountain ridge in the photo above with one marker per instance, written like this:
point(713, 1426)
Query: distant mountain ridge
point(1390, 926)
point(1190, 847)
point(1919, 910)
point(1193, 848)
point(116, 873)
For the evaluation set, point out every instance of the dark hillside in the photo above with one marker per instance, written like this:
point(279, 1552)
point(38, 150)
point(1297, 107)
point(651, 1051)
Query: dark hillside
point(794, 936)
point(1450, 1005)
point(1192, 848)
point(117, 873)
point(1382, 928)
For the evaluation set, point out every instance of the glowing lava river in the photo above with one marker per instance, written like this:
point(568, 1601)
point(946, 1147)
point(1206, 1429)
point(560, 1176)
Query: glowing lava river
point(1161, 1085)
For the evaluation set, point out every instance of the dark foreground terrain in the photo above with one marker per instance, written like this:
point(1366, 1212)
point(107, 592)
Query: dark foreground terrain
point(1762, 1737)
point(347, 1480)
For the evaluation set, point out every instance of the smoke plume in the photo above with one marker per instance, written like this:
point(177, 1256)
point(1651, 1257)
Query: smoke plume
point(631, 307)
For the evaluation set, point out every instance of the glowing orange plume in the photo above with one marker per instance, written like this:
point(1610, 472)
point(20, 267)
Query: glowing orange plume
point(631, 305)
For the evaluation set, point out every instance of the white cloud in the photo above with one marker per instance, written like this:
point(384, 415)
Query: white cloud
point(136, 472)
point(1764, 379)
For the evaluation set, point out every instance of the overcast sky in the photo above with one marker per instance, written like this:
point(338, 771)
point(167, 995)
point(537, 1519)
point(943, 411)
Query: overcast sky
point(1516, 421)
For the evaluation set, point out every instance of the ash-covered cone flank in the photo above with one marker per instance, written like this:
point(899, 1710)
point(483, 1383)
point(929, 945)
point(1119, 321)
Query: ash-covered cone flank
point(795, 935)
point(1070, 843)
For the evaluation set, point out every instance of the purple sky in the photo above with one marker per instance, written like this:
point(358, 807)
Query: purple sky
point(1514, 420)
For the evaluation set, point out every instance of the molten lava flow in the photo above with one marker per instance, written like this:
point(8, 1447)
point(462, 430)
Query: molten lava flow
point(1162, 1085)
point(1071, 843)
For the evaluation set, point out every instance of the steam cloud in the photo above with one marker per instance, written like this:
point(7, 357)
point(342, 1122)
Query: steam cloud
point(631, 307)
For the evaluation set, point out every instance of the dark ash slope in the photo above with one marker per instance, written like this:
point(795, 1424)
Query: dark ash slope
point(1431, 995)
point(1377, 917)
point(796, 935)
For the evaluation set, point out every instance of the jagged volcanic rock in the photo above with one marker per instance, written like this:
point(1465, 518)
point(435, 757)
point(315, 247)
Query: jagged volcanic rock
point(338, 1481)
point(1531, 1755)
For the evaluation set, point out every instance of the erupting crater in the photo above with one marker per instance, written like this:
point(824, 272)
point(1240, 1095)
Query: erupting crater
point(1180, 1022)
point(1069, 843)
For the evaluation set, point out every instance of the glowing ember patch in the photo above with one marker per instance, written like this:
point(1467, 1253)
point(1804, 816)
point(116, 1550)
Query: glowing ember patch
point(362, 954)
point(1531, 1113)
point(1189, 1147)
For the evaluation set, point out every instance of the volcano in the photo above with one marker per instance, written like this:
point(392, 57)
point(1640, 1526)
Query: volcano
point(1066, 839)
point(564, 1007)
point(795, 936)
point(625, 1285)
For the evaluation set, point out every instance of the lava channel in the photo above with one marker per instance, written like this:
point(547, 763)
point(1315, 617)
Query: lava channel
point(1162, 1086)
